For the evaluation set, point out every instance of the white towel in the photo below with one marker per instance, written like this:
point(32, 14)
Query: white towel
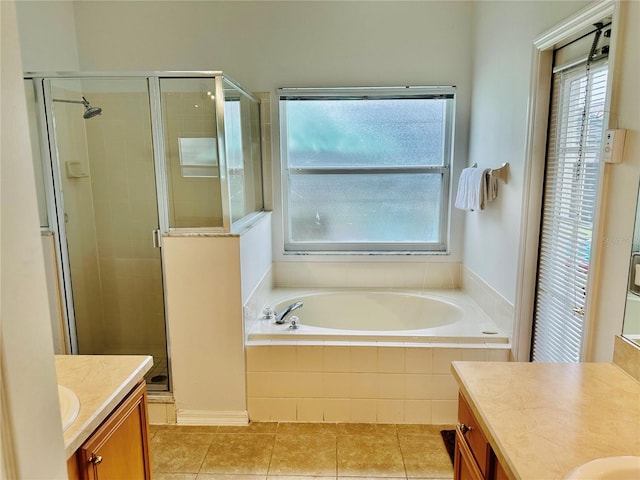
point(472, 189)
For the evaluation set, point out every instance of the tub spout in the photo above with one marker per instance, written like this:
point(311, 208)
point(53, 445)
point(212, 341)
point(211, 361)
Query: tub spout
point(281, 317)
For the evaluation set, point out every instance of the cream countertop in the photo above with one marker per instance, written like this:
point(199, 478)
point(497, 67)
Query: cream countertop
point(544, 420)
point(101, 382)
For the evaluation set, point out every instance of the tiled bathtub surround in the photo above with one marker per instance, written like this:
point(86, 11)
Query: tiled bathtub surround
point(393, 275)
point(358, 383)
point(415, 274)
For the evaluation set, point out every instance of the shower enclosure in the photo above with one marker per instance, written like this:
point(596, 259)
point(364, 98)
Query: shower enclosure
point(121, 161)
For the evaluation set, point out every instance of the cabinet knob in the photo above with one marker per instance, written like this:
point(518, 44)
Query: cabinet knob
point(464, 428)
point(96, 459)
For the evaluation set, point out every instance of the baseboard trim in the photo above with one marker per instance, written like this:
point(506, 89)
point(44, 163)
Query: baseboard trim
point(212, 417)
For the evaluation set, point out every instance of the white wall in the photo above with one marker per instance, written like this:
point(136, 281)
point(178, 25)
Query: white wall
point(504, 35)
point(32, 443)
point(47, 36)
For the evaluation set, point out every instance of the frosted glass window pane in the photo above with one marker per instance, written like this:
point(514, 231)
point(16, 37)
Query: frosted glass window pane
point(384, 132)
point(365, 208)
point(366, 170)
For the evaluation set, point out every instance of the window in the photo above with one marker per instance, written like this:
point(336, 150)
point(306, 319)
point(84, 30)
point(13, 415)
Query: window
point(366, 169)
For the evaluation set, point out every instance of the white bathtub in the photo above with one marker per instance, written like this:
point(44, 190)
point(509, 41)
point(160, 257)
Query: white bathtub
point(378, 316)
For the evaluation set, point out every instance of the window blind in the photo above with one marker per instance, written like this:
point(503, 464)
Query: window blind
point(573, 152)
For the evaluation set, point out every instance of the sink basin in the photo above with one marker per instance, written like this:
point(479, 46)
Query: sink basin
point(609, 468)
point(69, 406)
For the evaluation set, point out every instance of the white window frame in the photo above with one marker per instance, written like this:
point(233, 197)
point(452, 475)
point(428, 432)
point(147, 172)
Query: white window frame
point(440, 92)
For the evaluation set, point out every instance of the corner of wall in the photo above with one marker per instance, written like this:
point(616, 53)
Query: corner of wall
point(494, 305)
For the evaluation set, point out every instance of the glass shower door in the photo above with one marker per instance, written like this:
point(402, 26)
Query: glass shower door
point(109, 216)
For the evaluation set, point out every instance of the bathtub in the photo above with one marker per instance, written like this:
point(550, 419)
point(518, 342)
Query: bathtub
point(378, 316)
point(365, 356)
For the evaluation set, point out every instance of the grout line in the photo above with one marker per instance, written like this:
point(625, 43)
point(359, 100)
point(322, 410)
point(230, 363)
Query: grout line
point(273, 447)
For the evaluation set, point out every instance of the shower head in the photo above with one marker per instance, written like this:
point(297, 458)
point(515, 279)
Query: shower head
point(89, 111)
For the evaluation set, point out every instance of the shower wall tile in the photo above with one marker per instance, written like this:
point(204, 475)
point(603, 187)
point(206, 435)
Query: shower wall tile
point(71, 132)
point(123, 187)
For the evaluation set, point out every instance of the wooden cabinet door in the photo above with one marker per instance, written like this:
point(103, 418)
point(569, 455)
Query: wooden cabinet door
point(465, 466)
point(119, 448)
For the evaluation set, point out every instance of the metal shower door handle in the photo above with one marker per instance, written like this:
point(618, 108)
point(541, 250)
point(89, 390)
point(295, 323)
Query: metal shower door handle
point(156, 238)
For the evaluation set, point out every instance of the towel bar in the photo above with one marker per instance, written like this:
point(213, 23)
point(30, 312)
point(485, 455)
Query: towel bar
point(501, 173)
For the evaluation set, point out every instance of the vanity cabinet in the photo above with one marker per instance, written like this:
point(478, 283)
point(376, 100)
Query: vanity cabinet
point(119, 447)
point(474, 458)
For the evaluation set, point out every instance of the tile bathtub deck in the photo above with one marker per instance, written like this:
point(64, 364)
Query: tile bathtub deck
point(288, 451)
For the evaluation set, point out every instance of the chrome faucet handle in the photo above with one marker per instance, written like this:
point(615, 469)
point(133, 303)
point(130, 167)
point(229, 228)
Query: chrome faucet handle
point(295, 323)
point(268, 313)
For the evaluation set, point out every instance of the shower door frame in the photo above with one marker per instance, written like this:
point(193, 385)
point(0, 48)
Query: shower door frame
point(53, 176)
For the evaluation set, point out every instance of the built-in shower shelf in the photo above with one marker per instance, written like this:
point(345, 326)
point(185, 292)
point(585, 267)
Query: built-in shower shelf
point(75, 170)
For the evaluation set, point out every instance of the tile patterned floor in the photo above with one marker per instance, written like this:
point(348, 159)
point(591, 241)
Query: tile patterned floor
point(295, 451)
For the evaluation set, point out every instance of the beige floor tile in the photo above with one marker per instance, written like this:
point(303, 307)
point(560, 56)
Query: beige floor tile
point(369, 456)
point(289, 428)
point(366, 429)
point(238, 453)
point(425, 456)
point(307, 455)
point(178, 436)
point(174, 476)
point(180, 453)
point(224, 476)
point(369, 478)
point(253, 427)
point(409, 429)
point(185, 428)
point(299, 477)
point(153, 429)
